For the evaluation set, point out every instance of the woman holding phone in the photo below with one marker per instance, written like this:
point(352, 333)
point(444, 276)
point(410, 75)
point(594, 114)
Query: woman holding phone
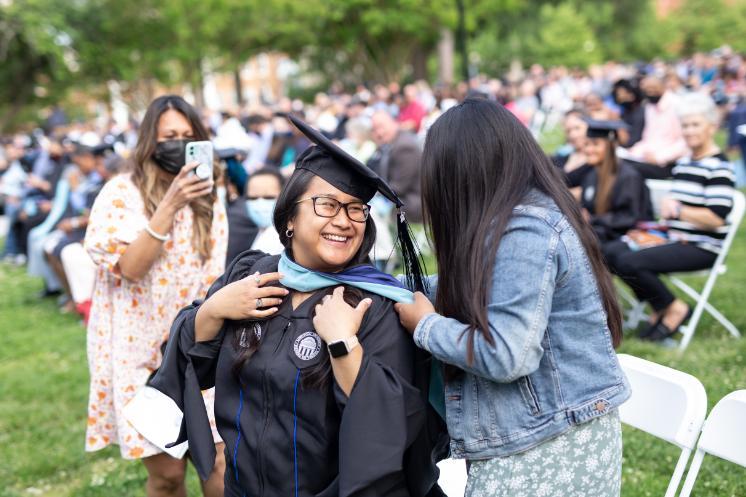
point(158, 236)
point(532, 380)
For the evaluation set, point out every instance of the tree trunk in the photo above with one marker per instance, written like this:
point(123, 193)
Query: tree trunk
point(461, 39)
point(445, 57)
point(198, 84)
point(238, 86)
point(419, 62)
point(7, 117)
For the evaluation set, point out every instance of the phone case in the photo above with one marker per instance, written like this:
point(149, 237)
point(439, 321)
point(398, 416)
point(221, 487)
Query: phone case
point(200, 152)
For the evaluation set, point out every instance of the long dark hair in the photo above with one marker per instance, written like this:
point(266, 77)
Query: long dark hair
point(478, 163)
point(606, 172)
point(286, 209)
point(153, 186)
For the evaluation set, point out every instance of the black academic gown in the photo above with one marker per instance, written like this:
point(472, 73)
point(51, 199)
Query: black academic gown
point(630, 203)
point(280, 434)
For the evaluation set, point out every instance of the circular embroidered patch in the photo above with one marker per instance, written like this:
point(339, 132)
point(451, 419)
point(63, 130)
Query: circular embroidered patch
point(307, 346)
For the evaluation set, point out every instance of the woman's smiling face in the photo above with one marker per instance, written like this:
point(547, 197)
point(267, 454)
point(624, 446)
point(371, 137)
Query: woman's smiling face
point(323, 243)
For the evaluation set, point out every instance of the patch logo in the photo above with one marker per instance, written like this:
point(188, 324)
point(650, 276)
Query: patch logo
point(307, 346)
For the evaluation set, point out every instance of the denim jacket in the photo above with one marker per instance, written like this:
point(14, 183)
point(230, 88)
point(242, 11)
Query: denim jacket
point(553, 365)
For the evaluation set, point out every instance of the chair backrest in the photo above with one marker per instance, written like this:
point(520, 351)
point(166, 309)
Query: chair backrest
point(666, 403)
point(659, 188)
point(724, 432)
point(734, 220)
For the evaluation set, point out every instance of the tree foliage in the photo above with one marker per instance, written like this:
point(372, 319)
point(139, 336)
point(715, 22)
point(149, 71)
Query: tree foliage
point(49, 46)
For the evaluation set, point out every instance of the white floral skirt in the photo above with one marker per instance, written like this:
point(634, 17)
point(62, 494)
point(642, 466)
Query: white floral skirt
point(587, 460)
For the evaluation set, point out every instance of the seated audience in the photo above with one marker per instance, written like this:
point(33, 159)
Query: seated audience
point(662, 142)
point(695, 216)
point(629, 99)
point(614, 195)
point(571, 156)
point(250, 219)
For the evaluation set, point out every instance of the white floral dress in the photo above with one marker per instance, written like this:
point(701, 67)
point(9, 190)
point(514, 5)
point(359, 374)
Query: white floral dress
point(587, 460)
point(130, 320)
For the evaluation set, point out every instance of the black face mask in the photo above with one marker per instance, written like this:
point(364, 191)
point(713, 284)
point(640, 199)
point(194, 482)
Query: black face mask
point(653, 99)
point(171, 155)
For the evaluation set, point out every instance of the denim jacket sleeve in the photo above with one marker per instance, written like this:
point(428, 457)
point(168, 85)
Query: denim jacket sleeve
point(523, 283)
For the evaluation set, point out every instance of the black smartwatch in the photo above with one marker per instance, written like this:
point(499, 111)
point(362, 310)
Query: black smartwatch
point(342, 347)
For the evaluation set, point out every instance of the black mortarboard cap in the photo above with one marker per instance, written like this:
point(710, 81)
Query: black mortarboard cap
point(328, 161)
point(604, 129)
point(102, 149)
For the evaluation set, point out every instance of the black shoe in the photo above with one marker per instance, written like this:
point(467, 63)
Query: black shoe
point(643, 335)
point(660, 331)
point(48, 293)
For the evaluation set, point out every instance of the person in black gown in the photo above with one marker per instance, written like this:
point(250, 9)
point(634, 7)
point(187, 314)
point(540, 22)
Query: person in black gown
point(319, 390)
point(613, 196)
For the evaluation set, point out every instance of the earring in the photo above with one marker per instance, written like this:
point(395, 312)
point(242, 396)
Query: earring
point(289, 233)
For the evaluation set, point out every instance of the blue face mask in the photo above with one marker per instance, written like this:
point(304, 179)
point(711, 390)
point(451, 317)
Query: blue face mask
point(260, 211)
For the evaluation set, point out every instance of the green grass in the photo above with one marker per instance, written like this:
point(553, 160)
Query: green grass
point(44, 389)
point(43, 399)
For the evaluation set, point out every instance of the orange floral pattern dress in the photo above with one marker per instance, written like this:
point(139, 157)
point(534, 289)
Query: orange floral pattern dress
point(130, 320)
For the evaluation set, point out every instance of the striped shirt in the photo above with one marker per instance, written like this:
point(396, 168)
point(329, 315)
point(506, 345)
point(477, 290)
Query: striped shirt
point(707, 182)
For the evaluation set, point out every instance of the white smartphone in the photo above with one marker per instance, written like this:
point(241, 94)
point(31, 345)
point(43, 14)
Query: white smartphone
point(200, 152)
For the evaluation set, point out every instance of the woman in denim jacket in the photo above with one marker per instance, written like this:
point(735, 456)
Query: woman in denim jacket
point(525, 316)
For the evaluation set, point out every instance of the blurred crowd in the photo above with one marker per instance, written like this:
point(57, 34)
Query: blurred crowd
point(49, 177)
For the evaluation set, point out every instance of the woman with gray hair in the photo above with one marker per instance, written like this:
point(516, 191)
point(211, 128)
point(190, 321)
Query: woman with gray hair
point(695, 215)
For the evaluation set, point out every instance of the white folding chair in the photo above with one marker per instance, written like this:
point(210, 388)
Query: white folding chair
point(658, 190)
point(666, 403)
point(723, 435)
point(452, 477)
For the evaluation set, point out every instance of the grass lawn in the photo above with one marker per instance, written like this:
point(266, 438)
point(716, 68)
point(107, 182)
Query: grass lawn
point(44, 388)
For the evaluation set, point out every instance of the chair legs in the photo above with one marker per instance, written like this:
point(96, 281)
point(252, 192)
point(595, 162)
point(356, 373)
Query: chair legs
point(691, 475)
point(701, 306)
point(678, 473)
point(636, 312)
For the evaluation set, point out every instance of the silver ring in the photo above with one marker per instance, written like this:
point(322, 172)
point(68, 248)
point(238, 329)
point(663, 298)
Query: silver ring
point(258, 280)
point(258, 303)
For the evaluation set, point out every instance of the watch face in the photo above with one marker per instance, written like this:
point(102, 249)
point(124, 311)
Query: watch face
point(337, 349)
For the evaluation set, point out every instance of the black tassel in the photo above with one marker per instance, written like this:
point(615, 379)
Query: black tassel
point(414, 264)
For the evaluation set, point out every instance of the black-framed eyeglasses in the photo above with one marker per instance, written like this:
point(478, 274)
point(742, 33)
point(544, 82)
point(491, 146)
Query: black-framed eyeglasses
point(329, 207)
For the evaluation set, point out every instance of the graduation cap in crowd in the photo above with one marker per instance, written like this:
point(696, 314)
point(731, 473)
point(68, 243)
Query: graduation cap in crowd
point(343, 171)
point(604, 129)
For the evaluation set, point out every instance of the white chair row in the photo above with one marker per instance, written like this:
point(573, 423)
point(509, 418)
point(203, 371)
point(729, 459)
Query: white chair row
point(671, 405)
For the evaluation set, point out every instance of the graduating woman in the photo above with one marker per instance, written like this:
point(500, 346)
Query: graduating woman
point(525, 315)
point(614, 196)
point(314, 375)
